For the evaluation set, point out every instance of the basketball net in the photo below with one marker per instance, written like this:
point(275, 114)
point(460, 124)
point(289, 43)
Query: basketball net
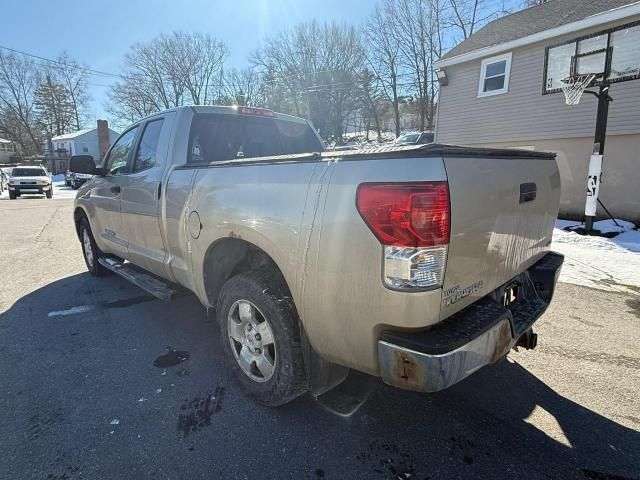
point(574, 87)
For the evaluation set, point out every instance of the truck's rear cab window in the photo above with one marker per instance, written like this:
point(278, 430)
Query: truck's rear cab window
point(217, 137)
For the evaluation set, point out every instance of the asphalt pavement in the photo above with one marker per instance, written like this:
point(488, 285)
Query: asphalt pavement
point(99, 380)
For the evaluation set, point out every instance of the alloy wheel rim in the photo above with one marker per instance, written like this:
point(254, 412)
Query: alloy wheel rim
point(252, 341)
point(88, 250)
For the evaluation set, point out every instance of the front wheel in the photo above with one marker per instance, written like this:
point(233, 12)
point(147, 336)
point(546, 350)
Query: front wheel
point(12, 195)
point(90, 250)
point(260, 337)
point(49, 193)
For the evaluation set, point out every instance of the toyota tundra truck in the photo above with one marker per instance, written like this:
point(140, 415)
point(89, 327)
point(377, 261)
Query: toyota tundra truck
point(418, 264)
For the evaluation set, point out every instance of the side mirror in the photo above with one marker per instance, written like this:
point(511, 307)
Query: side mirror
point(84, 164)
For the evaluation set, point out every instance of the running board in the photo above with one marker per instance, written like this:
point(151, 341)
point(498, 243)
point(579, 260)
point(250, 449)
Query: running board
point(146, 281)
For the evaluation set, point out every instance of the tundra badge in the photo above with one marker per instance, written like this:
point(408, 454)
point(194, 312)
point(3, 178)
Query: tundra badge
point(453, 294)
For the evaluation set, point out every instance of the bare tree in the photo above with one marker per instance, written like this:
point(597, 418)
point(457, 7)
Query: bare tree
point(170, 71)
point(464, 15)
point(412, 29)
point(316, 66)
point(74, 77)
point(382, 49)
point(242, 87)
point(19, 79)
point(196, 59)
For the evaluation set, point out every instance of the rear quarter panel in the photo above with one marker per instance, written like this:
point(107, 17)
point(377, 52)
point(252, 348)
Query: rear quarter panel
point(344, 302)
point(261, 204)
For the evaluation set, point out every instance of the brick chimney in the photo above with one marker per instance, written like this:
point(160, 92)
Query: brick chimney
point(103, 139)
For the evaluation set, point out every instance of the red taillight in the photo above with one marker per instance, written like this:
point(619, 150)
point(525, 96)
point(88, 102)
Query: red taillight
point(406, 214)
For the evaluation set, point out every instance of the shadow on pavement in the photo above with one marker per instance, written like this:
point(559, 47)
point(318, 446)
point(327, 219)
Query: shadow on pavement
point(479, 428)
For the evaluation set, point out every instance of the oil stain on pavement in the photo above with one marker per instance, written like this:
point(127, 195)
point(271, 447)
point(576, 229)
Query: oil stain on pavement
point(171, 358)
point(197, 412)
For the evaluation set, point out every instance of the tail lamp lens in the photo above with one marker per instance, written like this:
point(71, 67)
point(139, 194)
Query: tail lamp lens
point(412, 222)
point(406, 214)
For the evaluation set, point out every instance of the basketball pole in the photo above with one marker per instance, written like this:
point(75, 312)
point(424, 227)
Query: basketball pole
point(595, 164)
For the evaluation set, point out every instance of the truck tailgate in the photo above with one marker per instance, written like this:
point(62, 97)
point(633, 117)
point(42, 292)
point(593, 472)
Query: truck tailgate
point(503, 210)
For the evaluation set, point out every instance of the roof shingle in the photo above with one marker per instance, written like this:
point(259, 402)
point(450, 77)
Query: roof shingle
point(529, 21)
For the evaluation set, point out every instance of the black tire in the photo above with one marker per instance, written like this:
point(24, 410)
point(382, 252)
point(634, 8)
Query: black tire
point(94, 267)
point(75, 186)
point(267, 291)
point(12, 195)
point(49, 193)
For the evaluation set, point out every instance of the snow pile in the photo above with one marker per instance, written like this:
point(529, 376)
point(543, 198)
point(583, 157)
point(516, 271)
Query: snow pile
point(597, 262)
point(60, 190)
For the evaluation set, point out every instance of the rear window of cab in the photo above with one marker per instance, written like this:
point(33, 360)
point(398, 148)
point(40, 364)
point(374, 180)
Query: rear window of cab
point(216, 137)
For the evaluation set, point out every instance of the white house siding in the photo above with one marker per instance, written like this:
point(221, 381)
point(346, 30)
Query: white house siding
point(74, 146)
point(525, 117)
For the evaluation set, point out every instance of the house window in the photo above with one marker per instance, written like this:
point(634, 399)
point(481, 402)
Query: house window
point(85, 148)
point(494, 75)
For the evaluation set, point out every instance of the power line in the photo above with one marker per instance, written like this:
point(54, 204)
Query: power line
point(57, 62)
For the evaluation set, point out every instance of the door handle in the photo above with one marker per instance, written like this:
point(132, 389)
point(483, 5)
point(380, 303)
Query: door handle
point(115, 189)
point(528, 192)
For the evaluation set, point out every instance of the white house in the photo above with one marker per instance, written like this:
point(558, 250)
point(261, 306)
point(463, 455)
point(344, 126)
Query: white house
point(7, 149)
point(82, 142)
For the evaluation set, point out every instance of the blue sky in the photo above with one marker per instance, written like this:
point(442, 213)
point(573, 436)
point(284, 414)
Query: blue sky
point(99, 33)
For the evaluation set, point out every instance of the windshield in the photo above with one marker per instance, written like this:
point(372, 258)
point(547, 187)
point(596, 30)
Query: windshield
point(28, 172)
point(408, 138)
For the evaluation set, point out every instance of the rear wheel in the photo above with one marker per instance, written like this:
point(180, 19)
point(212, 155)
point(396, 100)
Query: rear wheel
point(90, 250)
point(260, 337)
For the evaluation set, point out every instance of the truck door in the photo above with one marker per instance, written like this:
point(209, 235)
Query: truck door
point(106, 195)
point(141, 205)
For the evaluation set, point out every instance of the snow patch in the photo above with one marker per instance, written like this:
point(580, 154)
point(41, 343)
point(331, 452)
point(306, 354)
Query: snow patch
point(604, 263)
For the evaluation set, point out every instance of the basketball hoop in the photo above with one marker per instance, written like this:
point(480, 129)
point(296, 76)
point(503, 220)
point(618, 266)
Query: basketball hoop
point(574, 87)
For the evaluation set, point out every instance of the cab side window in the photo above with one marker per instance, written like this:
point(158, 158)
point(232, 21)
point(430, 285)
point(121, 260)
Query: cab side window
point(147, 149)
point(118, 161)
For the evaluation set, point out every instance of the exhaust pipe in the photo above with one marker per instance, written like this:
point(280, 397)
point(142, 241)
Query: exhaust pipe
point(528, 340)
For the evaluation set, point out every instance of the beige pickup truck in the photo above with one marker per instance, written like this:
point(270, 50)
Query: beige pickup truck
point(418, 264)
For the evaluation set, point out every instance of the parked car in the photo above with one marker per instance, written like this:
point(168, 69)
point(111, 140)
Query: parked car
point(68, 178)
point(77, 179)
point(416, 138)
point(396, 262)
point(30, 180)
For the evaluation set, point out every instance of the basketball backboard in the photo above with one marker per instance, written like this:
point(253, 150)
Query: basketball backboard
point(613, 55)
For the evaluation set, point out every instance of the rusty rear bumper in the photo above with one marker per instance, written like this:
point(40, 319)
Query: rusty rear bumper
point(479, 335)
